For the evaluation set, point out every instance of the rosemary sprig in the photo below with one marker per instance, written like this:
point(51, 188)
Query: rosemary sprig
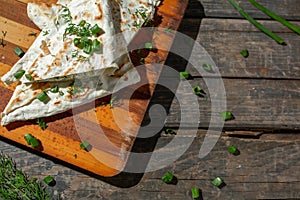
point(15, 184)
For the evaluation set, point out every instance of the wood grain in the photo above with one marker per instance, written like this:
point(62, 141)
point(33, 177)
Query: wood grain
point(63, 136)
point(263, 170)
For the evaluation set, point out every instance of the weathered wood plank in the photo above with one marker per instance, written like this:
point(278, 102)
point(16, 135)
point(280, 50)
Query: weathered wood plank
point(265, 169)
point(256, 104)
point(288, 9)
point(223, 39)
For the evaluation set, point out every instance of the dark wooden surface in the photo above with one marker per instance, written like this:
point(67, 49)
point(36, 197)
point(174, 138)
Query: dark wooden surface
point(263, 92)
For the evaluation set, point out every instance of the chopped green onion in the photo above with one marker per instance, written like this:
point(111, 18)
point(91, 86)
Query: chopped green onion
point(226, 115)
point(184, 75)
point(19, 74)
point(82, 23)
point(42, 123)
point(149, 45)
point(42, 96)
point(84, 145)
point(276, 17)
point(96, 30)
point(31, 140)
point(48, 180)
point(218, 181)
point(96, 46)
point(28, 77)
point(232, 149)
point(111, 102)
point(244, 53)
point(197, 90)
point(168, 177)
point(55, 89)
point(87, 49)
point(61, 93)
point(28, 137)
point(170, 131)
point(195, 193)
point(77, 43)
point(207, 67)
point(19, 52)
point(257, 24)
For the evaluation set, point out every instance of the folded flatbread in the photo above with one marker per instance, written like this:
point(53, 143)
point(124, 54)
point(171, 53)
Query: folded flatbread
point(51, 62)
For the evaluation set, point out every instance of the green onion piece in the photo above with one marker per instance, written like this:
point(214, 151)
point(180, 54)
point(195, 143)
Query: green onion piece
point(168, 177)
point(170, 131)
point(42, 96)
point(87, 49)
point(96, 46)
point(77, 43)
point(28, 137)
point(184, 75)
point(195, 193)
point(19, 74)
point(232, 149)
point(55, 89)
point(31, 140)
point(197, 90)
point(149, 45)
point(28, 77)
point(96, 30)
point(42, 123)
point(244, 53)
point(61, 93)
point(257, 24)
point(84, 145)
point(217, 181)
point(226, 115)
point(48, 180)
point(276, 17)
point(82, 23)
point(207, 67)
point(19, 52)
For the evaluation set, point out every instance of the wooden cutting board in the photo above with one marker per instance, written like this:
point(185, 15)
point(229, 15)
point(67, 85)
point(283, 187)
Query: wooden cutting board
point(98, 123)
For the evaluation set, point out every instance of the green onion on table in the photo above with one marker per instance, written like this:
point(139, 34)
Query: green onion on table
point(278, 39)
point(275, 16)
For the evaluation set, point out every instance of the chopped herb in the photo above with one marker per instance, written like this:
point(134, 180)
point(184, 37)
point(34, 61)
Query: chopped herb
point(32, 34)
point(43, 96)
point(49, 180)
point(195, 193)
point(227, 115)
point(168, 177)
point(184, 75)
point(2, 43)
point(15, 184)
point(19, 74)
point(111, 102)
point(149, 45)
point(82, 23)
point(197, 90)
point(55, 89)
point(170, 131)
point(19, 52)
point(207, 67)
point(244, 53)
point(96, 46)
point(42, 124)
point(45, 32)
point(84, 145)
point(233, 150)
point(61, 93)
point(218, 182)
point(28, 77)
point(96, 30)
point(66, 15)
point(31, 140)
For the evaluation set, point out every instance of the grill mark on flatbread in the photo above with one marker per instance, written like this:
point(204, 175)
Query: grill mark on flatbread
point(99, 17)
point(57, 102)
point(60, 54)
point(45, 48)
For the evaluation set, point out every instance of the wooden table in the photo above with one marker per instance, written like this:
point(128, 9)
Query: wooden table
point(263, 93)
